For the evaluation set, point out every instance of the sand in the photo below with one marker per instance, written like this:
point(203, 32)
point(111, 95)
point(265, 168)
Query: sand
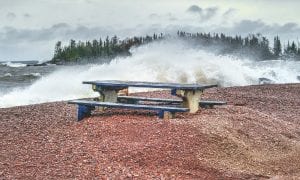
point(257, 135)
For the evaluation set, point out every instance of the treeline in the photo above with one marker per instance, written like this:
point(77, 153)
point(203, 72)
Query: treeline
point(100, 50)
point(253, 46)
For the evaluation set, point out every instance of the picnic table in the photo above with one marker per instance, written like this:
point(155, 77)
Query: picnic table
point(109, 97)
point(190, 93)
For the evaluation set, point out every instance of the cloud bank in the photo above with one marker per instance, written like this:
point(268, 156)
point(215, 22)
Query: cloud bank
point(25, 34)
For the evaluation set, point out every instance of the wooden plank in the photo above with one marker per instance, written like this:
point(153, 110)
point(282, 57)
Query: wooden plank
point(201, 102)
point(129, 106)
point(126, 84)
point(149, 99)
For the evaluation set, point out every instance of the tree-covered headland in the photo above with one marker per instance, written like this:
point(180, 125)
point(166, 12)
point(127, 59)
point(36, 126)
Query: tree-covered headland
point(103, 50)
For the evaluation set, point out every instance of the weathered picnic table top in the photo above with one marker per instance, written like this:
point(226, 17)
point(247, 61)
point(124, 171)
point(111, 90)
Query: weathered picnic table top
point(125, 84)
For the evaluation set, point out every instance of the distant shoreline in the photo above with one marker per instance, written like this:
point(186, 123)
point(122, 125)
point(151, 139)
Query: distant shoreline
point(27, 63)
point(23, 62)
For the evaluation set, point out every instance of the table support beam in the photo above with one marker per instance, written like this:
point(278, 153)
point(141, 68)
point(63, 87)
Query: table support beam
point(166, 115)
point(190, 99)
point(109, 94)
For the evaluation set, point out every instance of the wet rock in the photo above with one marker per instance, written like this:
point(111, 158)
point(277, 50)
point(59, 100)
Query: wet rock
point(265, 81)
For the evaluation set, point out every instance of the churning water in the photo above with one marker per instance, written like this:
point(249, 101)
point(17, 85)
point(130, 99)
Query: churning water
point(166, 61)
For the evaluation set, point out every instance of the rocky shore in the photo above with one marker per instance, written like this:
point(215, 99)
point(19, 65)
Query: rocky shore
point(257, 135)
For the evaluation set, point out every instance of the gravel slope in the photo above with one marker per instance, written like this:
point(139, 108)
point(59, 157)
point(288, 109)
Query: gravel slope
point(257, 135)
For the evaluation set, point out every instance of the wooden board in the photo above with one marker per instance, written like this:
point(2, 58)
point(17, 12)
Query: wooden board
point(125, 84)
point(129, 106)
point(201, 103)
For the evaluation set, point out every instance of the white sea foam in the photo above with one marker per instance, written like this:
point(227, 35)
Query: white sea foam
point(167, 61)
point(33, 74)
point(7, 75)
point(15, 65)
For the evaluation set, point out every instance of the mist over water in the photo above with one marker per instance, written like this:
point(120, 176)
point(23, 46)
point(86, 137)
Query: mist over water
point(165, 61)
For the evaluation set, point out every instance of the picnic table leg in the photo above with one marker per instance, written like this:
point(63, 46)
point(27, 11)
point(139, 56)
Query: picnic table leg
point(106, 95)
point(166, 114)
point(83, 111)
point(190, 99)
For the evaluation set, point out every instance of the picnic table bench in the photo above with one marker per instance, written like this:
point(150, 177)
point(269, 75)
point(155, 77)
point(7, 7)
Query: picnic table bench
point(109, 89)
point(136, 100)
point(85, 108)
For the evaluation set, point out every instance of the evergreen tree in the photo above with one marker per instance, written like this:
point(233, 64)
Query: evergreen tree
point(58, 50)
point(293, 49)
point(277, 49)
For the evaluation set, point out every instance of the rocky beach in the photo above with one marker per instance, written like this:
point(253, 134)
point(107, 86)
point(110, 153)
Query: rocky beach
point(255, 136)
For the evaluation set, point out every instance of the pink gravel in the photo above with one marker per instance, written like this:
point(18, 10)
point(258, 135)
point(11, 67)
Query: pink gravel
point(257, 135)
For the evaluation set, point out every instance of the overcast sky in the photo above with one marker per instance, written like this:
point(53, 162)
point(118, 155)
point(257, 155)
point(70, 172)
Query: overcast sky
point(30, 28)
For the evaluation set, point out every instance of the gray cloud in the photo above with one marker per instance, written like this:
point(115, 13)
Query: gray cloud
point(26, 15)
point(205, 14)
point(60, 26)
point(249, 26)
point(229, 12)
point(195, 9)
point(64, 31)
point(11, 16)
point(258, 26)
point(154, 16)
point(288, 27)
point(20, 44)
point(13, 35)
point(210, 12)
point(60, 31)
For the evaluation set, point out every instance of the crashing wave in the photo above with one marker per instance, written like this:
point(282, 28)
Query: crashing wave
point(33, 75)
point(20, 78)
point(164, 61)
point(15, 65)
point(7, 75)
